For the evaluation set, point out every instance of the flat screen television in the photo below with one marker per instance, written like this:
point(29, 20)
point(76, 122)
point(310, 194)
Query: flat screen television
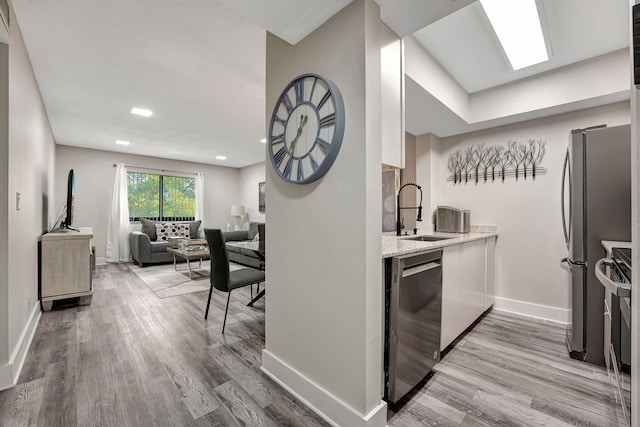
point(71, 183)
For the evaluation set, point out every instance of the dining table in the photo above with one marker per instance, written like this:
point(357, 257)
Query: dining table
point(249, 248)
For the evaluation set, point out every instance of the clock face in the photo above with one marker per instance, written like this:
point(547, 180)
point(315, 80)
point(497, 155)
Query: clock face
point(306, 129)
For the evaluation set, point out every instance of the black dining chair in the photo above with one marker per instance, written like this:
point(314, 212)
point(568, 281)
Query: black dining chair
point(221, 278)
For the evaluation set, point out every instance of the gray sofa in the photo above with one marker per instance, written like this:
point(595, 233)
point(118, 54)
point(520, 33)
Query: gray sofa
point(238, 255)
point(146, 249)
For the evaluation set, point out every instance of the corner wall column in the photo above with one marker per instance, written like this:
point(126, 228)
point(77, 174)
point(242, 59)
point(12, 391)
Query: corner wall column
point(324, 299)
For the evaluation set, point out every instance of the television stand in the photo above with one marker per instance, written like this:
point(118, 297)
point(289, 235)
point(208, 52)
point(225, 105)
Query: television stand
point(66, 266)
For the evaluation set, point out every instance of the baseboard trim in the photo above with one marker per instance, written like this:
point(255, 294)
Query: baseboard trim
point(10, 373)
point(6, 377)
point(544, 312)
point(332, 409)
point(101, 260)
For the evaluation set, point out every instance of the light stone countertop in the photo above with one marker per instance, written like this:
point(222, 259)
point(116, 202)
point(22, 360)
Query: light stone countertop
point(393, 245)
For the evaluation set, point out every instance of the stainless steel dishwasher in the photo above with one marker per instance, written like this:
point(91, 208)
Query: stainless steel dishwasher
point(413, 304)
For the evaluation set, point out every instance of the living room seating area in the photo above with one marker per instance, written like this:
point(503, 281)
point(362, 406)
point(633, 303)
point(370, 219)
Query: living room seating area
point(149, 246)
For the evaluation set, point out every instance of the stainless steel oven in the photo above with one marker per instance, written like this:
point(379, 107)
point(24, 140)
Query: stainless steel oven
point(615, 276)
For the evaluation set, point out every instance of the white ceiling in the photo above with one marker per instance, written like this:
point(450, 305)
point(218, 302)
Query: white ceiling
point(199, 65)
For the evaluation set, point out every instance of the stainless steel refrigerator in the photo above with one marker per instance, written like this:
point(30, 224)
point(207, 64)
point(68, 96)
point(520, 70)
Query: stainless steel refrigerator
point(596, 206)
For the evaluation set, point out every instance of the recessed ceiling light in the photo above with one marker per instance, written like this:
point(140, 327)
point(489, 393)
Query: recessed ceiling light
point(517, 25)
point(141, 112)
point(221, 157)
point(263, 140)
point(121, 142)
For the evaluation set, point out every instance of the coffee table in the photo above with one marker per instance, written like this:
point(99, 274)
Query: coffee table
point(188, 256)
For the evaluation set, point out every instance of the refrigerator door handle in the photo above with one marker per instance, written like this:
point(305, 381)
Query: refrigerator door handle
point(564, 263)
point(566, 229)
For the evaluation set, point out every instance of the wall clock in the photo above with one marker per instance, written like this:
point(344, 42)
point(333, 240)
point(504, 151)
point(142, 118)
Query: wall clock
point(306, 129)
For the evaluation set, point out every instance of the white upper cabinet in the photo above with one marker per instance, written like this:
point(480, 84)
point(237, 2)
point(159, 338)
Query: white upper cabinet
point(392, 98)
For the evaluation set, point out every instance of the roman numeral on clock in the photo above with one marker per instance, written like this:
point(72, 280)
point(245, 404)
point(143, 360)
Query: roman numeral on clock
point(314, 164)
point(313, 88)
point(324, 100)
point(323, 145)
point(299, 88)
point(287, 103)
point(288, 167)
point(279, 156)
point(326, 121)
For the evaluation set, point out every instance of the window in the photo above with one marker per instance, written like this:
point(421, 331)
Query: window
point(161, 197)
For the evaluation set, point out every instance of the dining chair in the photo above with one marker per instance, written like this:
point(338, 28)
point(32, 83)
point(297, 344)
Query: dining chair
point(221, 278)
point(261, 241)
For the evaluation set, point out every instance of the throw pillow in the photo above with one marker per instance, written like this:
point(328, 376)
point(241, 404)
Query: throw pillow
point(149, 228)
point(168, 229)
point(193, 228)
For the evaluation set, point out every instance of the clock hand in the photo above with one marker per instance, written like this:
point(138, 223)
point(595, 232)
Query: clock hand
point(303, 121)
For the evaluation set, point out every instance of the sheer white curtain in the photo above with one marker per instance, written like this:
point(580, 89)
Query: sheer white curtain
point(118, 228)
point(200, 196)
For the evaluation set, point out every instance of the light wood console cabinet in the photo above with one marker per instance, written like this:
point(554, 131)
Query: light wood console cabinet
point(66, 266)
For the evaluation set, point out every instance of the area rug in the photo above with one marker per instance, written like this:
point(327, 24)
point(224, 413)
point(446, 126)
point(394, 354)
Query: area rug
point(166, 282)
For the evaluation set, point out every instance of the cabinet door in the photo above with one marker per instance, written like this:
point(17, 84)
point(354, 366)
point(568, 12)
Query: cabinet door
point(452, 295)
point(474, 271)
point(463, 288)
point(66, 267)
point(490, 284)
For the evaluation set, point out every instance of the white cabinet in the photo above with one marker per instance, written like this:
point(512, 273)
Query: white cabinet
point(490, 285)
point(66, 266)
point(453, 318)
point(392, 98)
point(464, 286)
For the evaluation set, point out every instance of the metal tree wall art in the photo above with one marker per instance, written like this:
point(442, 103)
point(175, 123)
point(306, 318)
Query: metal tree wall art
point(517, 159)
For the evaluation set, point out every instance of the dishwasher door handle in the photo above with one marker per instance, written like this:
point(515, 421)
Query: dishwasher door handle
point(420, 268)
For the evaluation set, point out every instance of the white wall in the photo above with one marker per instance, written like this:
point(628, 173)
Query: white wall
point(250, 176)
point(94, 174)
point(424, 171)
point(4, 208)
point(530, 243)
point(410, 195)
point(31, 158)
point(324, 298)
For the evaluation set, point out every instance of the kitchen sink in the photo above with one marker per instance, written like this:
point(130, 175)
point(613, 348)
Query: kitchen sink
point(428, 238)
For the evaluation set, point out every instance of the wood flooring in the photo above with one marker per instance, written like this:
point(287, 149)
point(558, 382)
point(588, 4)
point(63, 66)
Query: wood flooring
point(131, 359)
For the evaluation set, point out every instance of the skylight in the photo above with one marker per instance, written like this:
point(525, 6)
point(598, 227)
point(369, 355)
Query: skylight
point(121, 142)
point(517, 25)
point(141, 112)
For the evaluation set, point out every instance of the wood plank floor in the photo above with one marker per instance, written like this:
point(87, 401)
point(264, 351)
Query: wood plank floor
point(511, 370)
point(131, 359)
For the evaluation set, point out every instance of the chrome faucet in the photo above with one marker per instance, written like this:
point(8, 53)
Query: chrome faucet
point(399, 225)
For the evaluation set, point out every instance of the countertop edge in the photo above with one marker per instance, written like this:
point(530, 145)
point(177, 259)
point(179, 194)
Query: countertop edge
point(426, 246)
